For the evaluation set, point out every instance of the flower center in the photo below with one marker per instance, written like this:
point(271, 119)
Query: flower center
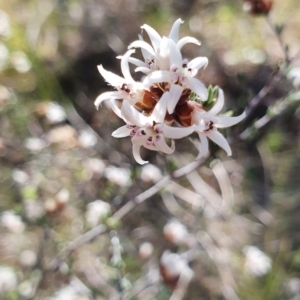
point(125, 88)
point(146, 136)
point(209, 126)
point(151, 63)
point(183, 75)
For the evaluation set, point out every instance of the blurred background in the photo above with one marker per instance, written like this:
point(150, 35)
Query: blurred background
point(232, 225)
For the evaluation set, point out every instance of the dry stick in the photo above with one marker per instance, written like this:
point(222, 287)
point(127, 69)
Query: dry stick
point(156, 187)
point(257, 100)
point(280, 40)
point(276, 76)
point(93, 233)
point(141, 198)
point(75, 244)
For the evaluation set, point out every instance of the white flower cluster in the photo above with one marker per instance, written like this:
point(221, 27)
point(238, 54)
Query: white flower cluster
point(162, 106)
point(257, 263)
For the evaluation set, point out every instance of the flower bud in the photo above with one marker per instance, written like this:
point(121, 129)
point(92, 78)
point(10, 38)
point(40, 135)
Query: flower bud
point(175, 232)
point(145, 250)
point(258, 7)
point(172, 267)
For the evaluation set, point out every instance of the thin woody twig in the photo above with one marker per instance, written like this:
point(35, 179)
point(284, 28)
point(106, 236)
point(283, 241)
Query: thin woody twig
point(278, 34)
point(275, 77)
point(155, 188)
point(258, 99)
point(100, 229)
point(75, 244)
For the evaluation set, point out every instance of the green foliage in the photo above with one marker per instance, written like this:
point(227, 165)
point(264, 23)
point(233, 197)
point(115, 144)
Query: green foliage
point(212, 94)
point(275, 140)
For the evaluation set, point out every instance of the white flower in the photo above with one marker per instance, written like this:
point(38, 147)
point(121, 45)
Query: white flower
point(126, 87)
point(26, 289)
point(35, 144)
point(8, 279)
point(20, 61)
point(28, 258)
point(145, 250)
point(208, 124)
point(151, 173)
point(95, 211)
point(34, 209)
point(20, 176)
point(94, 165)
point(55, 113)
point(12, 222)
point(164, 63)
point(180, 76)
point(149, 131)
point(159, 109)
point(118, 176)
point(173, 266)
point(157, 55)
point(87, 138)
point(257, 262)
point(175, 232)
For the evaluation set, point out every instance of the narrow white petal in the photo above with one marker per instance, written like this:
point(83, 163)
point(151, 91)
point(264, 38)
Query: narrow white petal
point(140, 37)
point(175, 55)
point(125, 66)
point(175, 93)
point(137, 62)
point(177, 132)
point(132, 115)
point(137, 155)
point(203, 149)
point(199, 88)
point(187, 40)
point(198, 63)
point(219, 139)
point(111, 78)
point(155, 38)
point(164, 147)
point(219, 103)
point(174, 33)
point(143, 45)
point(145, 54)
point(122, 132)
point(157, 76)
point(160, 109)
point(150, 147)
point(223, 122)
point(107, 96)
point(164, 54)
point(144, 70)
point(200, 122)
point(116, 108)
